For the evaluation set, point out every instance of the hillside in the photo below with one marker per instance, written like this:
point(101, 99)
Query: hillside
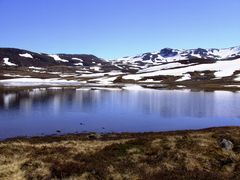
point(171, 68)
point(197, 154)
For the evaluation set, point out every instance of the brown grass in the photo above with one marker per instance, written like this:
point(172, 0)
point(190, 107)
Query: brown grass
point(169, 155)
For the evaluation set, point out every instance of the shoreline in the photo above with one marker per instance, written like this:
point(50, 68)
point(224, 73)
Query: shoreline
point(181, 154)
point(116, 135)
point(109, 87)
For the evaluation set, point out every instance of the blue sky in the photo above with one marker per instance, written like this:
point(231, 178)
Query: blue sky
point(116, 28)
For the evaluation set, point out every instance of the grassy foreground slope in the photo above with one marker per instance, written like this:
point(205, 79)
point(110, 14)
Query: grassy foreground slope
point(166, 155)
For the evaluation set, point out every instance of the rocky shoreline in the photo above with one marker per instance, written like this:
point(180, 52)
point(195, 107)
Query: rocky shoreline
point(194, 154)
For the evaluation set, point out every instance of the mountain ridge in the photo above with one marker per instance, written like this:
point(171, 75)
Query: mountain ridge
point(171, 67)
point(171, 54)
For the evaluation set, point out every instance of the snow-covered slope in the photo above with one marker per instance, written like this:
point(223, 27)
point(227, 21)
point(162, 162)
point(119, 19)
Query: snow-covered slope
point(167, 66)
point(175, 66)
point(220, 69)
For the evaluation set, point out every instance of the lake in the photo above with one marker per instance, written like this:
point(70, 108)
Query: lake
point(44, 111)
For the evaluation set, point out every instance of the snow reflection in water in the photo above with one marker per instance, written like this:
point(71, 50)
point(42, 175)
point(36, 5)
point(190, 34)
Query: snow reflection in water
point(42, 111)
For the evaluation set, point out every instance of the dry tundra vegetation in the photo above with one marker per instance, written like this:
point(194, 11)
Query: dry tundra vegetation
point(165, 155)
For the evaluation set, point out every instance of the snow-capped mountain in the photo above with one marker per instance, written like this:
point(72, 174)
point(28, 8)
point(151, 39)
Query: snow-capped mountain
point(167, 67)
point(171, 55)
point(173, 66)
point(19, 57)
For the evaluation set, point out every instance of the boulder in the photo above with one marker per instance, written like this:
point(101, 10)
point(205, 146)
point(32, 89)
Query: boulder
point(226, 144)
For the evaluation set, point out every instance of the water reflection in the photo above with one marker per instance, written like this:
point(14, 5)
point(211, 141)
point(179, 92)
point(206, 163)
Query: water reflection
point(37, 111)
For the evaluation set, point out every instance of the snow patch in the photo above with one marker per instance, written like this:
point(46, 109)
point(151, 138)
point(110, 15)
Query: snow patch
point(37, 82)
point(83, 89)
point(78, 64)
point(238, 86)
point(36, 68)
point(78, 59)
point(150, 81)
point(95, 68)
point(26, 55)
point(164, 67)
point(57, 58)
point(15, 75)
point(7, 62)
point(54, 73)
point(181, 86)
point(104, 80)
point(133, 87)
point(106, 88)
point(133, 77)
point(185, 77)
point(237, 78)
point(82, 72)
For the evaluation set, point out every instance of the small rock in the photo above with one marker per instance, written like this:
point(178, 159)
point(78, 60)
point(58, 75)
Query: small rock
point(226, 144)
point(94, 136)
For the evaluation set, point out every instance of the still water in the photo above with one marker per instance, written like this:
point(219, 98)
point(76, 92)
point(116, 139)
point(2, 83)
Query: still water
point(48, 111)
